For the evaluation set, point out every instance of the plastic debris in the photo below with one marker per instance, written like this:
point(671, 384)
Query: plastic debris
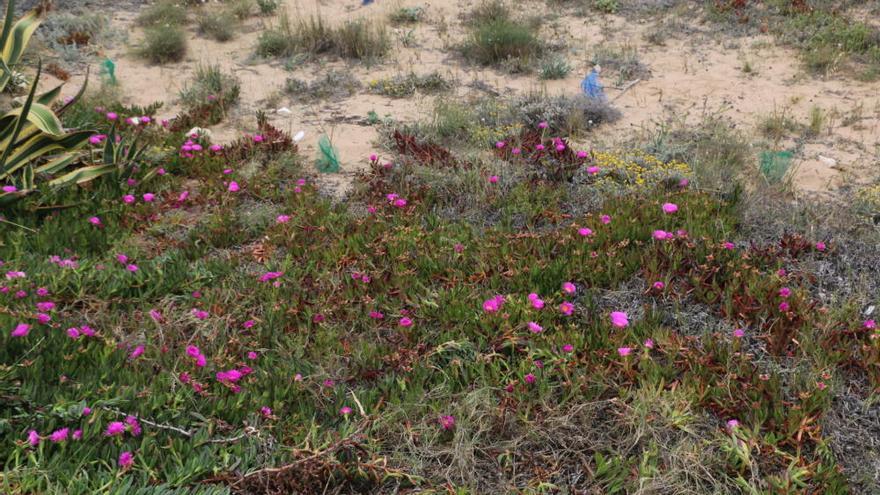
point(283, 111)
point(774, 164)
point(328, 160)
point(591, 86)
point(299, 136)
point(108, 71)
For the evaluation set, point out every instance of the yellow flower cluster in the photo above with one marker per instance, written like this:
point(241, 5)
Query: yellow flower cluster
point(637, 169)
point(869, 197)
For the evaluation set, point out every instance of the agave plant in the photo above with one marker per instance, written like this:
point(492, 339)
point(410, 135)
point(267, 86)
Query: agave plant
point(14, 39)
point(34, 145)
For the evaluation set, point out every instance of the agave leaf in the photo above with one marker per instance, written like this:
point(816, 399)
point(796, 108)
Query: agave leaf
point(19, 122)
point(41, 116)
point(77, 96)
point(43, 144)
point(82, 175)
point(57, 164)
point(19, 37)
point(49, 96)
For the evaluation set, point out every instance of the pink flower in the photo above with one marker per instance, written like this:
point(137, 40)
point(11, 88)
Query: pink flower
point(73, 333)
point(266, 411)
point(97, 139)
point(606, 219)
point(87, 331)
point(821, 385)
point(530, 378)
point(820, 246)
point(270, 276)
point(282, 218)
point(43, 318)
point(739, 333)
point(593, 170)
point(249, 324)
point(542, 125)
point(137, 352)
point(568, 288)
point(619, 319)
point(669, 208)
point(493, 179)
point(870, 324)
point(516, 151)
point(560, 147)
point(783, 306)
point(784, 292)
point(86, 411)
point(132, 268)
point(658, 285)
point(77, 435)
point(376, 315)
point(9, 189)
point(200, 314)
point(134, 427)
point(114, 429)
point(568, 348)
point(258, 138)
point(405, 322)
point(112, 116)
point(729, 246)
point(499, 144)
point(59, 436)
point(661, 235)
point(447, 422)
point(624, 351)
point(95, 221)
point(128, 199)
point(581, 154)
point(33, 438)
point(566, 308)
point(732, 424)
point(45, 306)
point(234, 187)
point(193, 351)
point(536, 301)
point(535, 328)
point(126, 460)
point(494, 304)
point(539, 147)
point(345, 410)
point(649, 343)
point(585, 232)
point(21, 330)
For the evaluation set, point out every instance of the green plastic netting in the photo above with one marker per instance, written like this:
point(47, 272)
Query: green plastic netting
point(328, 160)
point(774, 164)
point(108, 71)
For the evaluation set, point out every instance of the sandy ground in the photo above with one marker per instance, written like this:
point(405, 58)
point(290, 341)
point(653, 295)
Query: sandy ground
point(690, 75)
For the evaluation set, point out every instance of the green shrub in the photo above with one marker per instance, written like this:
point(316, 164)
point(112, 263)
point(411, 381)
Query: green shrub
point(210, 94)
point(267, 7)
point(607, 6)
point(219, 26)
point(554, 67)
point(489, 11)
point(242, 9)
point(402, 86)
point(501, 40)
point(334, 84)
point(361, 39)
point(164, 43)
point(164, 12)
point(407, 15)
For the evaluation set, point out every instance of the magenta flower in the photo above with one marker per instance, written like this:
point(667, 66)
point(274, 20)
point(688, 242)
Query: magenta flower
point(536, 301)
point(126, 460)
point(234, 187)
point(566, 308)
point(739, 333)
point(21, 330)
point(658, 285)
point(131, 267)
point(732, 424)
point(149, 197)
point(661, 235)
point(783, 306)
point(266, 411)
point(95, 221)
point(114, 429)
point(128, 199)
point(33, 438)
point(820, 246)
point(606, 219)
point(249, 324)
point(87, 331)
point(585, 232)
point(376, 315)
point(112, 116)
point(43, 318)
point(493, 305)
point(258, 138)
point(542, 125)
point(581, 154)
point(729, 246)
point(624, 351)
point(539, 147)
point(137, 352)
point(593, 170)
point(86, 411)
point(784, 292)
point(345, 410)
point(282, 218)
point(405, 322)
point(45, 306)
point(200, 314)
point(649, 343)
point(447, 422)
point(669, 208)
point(529, 378)
point(9, 189)
point(619, 319)
point(569, 288)
point(535, 328)
point(493, 179)
point(134, 427)
point(270, 276)
point(73, 333)
point(568, 348)
point(870, 324)
point(59, 436)
point(499, 144)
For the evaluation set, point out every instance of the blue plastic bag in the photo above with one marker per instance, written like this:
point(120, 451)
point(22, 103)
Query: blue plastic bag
point(591, 87)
